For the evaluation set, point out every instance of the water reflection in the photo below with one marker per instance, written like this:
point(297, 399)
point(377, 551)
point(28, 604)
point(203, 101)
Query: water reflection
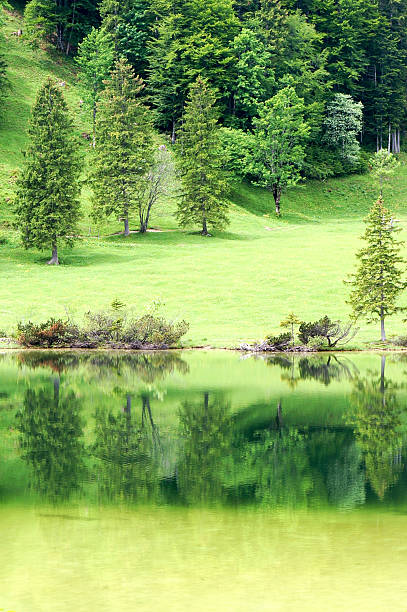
point(51, 440)
point(160, 428)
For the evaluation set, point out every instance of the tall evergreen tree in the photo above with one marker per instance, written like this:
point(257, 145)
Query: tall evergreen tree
point(124, 149)
point(379, 280)
point(95, 58)
point(204, 185)
point(47, 199)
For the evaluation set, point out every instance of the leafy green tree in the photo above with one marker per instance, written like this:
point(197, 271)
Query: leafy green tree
point(383, 166)
point(204, 184)
point(124, 148)
point(94, 59)
point(62, 23)
point(343, 124)
point(281, 133)
point(291, 321)
point(47, 198)
point(254, 77)
point(378, 281)
point(154, 185)
point(194, 38)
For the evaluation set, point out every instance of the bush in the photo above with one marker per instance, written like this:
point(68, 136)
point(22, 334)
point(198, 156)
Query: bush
point(280, 342)
point(333, 332)
point(150, 329)
point(105, 328)
point(400, 341)
point(51, 333)
point(317, 342)
point(238, 147)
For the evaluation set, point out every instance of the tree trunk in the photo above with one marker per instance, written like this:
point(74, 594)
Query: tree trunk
point(54, 259)
point(143, 227)
point(126, 225)
point(204, 228)
point(382, 330)
point(173, 136)
point(277, 196)
point(94, 125)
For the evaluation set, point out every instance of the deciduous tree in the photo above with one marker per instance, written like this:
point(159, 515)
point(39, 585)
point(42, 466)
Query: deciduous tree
point(280, 133)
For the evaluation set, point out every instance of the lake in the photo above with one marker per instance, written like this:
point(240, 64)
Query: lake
point(202, 481)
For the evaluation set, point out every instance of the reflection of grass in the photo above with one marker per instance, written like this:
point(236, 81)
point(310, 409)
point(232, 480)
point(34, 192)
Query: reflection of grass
point(234, 286)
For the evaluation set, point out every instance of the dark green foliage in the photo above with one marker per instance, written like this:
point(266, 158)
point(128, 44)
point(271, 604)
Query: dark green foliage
point(47, 198)
point(194, 38)
point(51, 438)
point(63, 23)
point(280, 342)
point(204, 184)
point(124, 150)
point(4, 84)
point(333, 332)
point(379, 279)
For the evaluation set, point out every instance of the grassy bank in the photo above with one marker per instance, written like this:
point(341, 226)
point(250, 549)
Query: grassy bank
point(235, 286)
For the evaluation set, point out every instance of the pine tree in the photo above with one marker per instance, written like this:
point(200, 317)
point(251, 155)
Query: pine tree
point(95, 58)
point(47, 199)
point(378, 281)
point(204, 184)
point(124, 149)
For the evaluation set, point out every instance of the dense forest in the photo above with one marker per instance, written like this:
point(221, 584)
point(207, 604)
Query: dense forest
point(249, 51)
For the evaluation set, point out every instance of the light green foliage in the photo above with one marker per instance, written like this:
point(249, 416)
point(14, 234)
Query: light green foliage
point(40, 20)
point(254, 77)
point(343, 124)
point(124, 149)
point(204, 185)
point(291, 321)
point(94, 59)
point(379, 280)
point(383, 166)
point(281, 134)
point(47, 198)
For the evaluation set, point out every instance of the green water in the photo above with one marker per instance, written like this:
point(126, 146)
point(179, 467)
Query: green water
point(202, 481)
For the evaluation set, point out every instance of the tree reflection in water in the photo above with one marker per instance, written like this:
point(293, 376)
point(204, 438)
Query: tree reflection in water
point(51, 439)
point(375, 417)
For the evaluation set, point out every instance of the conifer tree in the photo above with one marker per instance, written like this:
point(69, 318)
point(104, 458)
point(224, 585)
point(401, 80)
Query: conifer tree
point(95, 58)
point(47, 199)
point(379, 280)
point(124, 149)
point(204, 184)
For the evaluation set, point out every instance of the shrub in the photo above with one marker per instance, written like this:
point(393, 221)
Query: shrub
point(400, 341)
point(51, 333)
point(332, 331)
point(150, 329)
point(317, 342)
point(280, 342)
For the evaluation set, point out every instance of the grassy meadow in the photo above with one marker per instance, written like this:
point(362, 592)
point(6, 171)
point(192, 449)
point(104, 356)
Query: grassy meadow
point(234, 286)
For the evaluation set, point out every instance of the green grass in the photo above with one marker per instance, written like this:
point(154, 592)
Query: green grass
point(234, 286)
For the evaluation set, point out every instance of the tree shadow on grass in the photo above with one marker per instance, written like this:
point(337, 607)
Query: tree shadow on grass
point(173, 237)
point(67, 259)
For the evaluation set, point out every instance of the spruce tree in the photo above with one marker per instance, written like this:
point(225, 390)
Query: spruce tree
point(204, 184)
point(379, 280)
point(124, 150)
point(95, 58)
point(47, 198)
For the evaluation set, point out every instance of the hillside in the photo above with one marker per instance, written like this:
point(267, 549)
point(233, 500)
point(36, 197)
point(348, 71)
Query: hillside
point(234, 286)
